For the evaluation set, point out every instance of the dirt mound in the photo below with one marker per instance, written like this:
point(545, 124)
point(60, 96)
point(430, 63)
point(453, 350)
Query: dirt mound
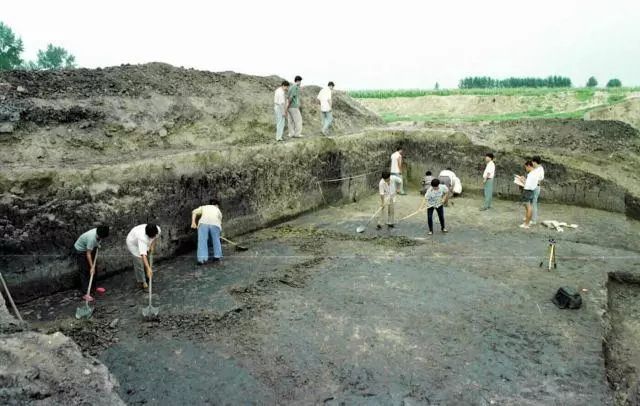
point(566, 135)
point(627, 111)
point(122, 113)
point(50, 369)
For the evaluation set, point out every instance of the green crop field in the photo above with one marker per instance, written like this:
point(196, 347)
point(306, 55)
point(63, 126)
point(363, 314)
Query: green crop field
point(582, 94)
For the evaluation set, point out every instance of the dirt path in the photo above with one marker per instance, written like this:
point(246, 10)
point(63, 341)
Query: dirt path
point(315, 313)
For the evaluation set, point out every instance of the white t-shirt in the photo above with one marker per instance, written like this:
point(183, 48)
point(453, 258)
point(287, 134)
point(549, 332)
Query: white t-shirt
point(456, 185)
point(489, 171)
point(448, 173)
point(539, 173)
point(387, 190)
point(138, 241)
point(325, 99)
point(532, 181)
point(279, 97)
point(395, 162)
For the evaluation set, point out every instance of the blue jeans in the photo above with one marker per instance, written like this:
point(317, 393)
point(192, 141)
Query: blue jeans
point(534, 204)
point(327, 119)
point(440, 212)
point(204, 232)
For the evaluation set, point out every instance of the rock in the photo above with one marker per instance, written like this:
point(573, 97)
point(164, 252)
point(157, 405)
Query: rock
point(162, 133)
point(52, 367)
point(16, 190)
point(114, 323)
point(6, 128)
point(21, 89)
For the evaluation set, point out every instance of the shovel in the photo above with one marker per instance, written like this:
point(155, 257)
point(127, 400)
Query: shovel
point(361, 229)
point(150, 312)
point(238, 247)
point(13, 305)
point(84, 312)
point(411, 215)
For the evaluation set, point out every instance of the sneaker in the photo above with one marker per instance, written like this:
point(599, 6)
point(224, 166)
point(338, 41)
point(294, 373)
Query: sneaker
point(201, 263)
point(88, 298)
point(379, 227)
point(390, 225)
point(402, 193)
point(523, 225)
point(430, 233)
point(484, 208)
point(444, 230)
point(533, 223)
point(143, 285)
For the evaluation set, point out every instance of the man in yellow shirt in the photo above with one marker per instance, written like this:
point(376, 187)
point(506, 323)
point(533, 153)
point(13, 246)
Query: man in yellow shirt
point(210, 225)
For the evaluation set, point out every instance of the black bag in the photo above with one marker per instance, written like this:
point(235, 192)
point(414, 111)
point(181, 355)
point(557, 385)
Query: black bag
point(567, 298)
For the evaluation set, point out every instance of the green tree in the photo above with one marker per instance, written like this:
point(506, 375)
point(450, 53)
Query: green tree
point(10, 48)
point(437, 86)
point(592, 82)
point(614, 83)
point(55, 58)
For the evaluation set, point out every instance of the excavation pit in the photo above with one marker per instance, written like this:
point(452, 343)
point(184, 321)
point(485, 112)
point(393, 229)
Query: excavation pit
point(315, 313)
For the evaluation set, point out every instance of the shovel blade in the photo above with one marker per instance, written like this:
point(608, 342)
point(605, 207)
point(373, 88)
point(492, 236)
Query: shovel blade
point(150, 312)
point(83, 312)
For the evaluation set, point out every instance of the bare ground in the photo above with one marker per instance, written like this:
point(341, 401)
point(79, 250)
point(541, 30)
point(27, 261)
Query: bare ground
point(314, 313)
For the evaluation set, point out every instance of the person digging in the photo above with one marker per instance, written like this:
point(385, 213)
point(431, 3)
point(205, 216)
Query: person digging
point(86, 247)
point(435, 198)
point(209, 228)
point(141, 242)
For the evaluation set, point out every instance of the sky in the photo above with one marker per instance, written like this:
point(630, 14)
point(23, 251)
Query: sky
point(357, 44)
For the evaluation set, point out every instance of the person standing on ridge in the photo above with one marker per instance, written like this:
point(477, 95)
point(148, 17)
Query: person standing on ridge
point(325, 107)
point(294, 117)
point(279, 105)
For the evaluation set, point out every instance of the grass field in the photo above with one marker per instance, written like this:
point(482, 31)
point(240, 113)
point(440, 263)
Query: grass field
point(534, 114)
point(581, 93)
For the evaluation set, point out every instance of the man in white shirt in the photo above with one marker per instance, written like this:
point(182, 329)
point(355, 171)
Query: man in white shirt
point(487, 180)
point(530, 184)
point(448, 178)
point(325, 107)
point(396, 171)
point(539, 170)
point(279, 102)
point(141, 242)
point(387, 191)
point(210, 225)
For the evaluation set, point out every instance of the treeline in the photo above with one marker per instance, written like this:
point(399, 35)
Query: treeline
point(486, 82)
point(11, 49)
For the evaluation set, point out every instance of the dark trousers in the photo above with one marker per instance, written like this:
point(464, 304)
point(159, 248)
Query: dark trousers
point(440, 211)
point(84, 269)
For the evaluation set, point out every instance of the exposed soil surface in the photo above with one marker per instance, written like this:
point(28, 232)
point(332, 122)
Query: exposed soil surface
point(623, 360)
point(316, 313)
point(85, 117)
point(627, 111)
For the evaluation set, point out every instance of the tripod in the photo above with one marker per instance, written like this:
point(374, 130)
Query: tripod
point(552, 255)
